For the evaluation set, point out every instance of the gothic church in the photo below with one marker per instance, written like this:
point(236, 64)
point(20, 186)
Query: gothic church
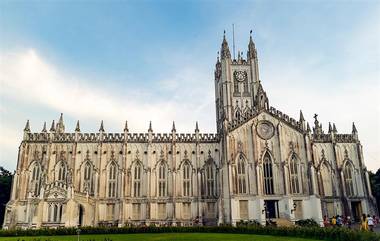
point(260, 164)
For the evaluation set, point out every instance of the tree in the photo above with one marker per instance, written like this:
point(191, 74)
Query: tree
point(5, 187)
point(375, 186)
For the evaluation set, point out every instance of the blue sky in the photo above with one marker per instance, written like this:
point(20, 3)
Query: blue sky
point(154, 60)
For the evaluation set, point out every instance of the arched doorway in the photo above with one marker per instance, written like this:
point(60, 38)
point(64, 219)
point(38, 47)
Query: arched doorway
point(81, 215)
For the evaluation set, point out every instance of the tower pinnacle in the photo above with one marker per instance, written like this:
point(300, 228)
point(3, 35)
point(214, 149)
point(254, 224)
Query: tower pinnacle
point(225, 50)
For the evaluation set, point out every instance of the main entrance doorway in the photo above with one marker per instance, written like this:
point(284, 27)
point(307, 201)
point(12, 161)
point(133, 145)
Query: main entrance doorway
point(356, 208)
point(271, 207)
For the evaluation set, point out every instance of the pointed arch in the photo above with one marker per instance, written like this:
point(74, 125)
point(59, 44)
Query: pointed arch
point(209, 171)
point(35, 172)
point(267, 164)
point(241, 175)
point(349, 178)
point(88, 177)
point(294, 174)
point(137, 173)
point(162, 178)
point(325, 172)
point(61, 170)
point(112, 177)
point(186, 178)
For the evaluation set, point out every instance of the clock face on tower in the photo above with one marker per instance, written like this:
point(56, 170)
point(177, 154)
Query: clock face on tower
point(240, 76)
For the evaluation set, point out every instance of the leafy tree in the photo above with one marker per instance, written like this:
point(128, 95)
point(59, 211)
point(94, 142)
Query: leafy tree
point(375, 186)
point(5, 187)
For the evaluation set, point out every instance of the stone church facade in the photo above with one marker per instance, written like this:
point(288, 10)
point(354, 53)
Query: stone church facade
point(260, 164)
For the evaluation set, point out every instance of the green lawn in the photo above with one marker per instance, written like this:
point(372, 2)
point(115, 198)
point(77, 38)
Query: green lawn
point(159, 237)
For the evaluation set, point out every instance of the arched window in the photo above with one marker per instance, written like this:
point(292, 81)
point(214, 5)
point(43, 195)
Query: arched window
point(210, 180)
point(268, 175)
point(137, 181)
point(87, 178)
point(62, 172)
point(293, 172)
point(112, 180)
point(241, 176)
point(162, 180)
point(35, 181)
point(55, 212)
point(326, 180)
point(186, 174)
point(349, 179)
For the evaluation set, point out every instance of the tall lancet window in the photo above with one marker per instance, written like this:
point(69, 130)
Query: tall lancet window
point(326, 180)
point(112, 180)
point(268, 175)
point(137, 181)
point(241, 176)
point(87, 178)
point(293, 172)
point(62, 172)
point(348, 175)
point(162, 180)
point(36, 179)
point(186, 173)
point(210, 181)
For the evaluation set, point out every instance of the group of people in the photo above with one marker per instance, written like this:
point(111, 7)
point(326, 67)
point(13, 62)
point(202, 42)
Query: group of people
point(367, 222)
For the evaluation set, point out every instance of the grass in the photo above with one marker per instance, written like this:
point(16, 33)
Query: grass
point(159, 237)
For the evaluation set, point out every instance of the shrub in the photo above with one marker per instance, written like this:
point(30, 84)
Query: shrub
point(330, 234)
point(307, 223)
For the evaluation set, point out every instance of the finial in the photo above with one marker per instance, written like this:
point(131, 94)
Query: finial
point(101, 129)
point(334, 128)
point(315, 117)
point(150, 126)
point(52, 128)
point(77, 128)
point(27, 127)
point(126, 126)
point(44, 127)
point(173, 127)
point(354, 130)
point(196, 127)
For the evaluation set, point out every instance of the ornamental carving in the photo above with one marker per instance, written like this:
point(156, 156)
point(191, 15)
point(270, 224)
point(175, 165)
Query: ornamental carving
point(265, 129)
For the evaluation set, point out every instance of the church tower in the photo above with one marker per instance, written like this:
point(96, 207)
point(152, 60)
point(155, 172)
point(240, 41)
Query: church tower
point(237, 84)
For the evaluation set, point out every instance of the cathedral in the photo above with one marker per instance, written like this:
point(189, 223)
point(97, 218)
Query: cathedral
point(260, 164)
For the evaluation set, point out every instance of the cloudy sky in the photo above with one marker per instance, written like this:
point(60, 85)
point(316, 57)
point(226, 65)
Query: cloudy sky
point(154, 60)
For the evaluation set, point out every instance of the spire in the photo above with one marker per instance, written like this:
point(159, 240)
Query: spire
point(44, 128)
point(150, 126)
point(126, 126)
point(225, 50)
point(251, 54)
point(196, 127)
point(308, 127)
point(334, 128)
point(173, 127)
point(101, 129)
point(27, 126)
point(301, 116)
point(354, 130)
point(52, 128)
point(77, 128)
point(60, 125)
point(330, 128)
